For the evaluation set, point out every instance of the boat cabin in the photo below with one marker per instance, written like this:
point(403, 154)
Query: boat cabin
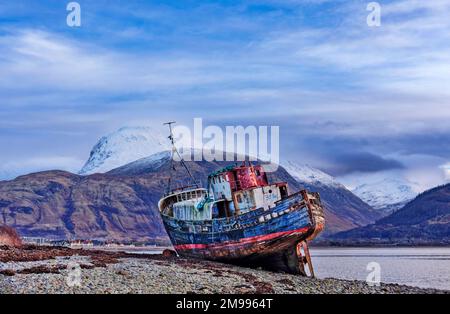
point(245, 188)
point(231, 191)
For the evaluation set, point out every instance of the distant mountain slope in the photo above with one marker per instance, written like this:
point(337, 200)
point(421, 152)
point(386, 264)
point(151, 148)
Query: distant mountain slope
point(387, 195)
point(424, 219)
point(307, 174)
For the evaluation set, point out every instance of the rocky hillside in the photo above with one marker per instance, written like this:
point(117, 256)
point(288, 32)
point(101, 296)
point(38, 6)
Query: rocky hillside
point(61, 205)
point(122, 204)
point(426, 219)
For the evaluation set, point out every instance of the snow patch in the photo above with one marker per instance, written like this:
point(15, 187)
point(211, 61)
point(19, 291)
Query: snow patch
point(126, 145)
point(308, 174)
point(390, 192)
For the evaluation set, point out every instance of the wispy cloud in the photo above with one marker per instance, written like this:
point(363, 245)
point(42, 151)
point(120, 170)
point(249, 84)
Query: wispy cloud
point(446, 169)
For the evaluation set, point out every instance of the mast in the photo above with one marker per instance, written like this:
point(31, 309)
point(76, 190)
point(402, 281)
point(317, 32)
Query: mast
point(172, 165)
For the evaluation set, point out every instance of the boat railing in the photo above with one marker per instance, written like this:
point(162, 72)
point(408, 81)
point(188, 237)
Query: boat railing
point(182, 188)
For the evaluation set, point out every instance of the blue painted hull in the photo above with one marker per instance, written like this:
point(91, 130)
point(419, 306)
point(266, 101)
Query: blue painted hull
point(257, 237)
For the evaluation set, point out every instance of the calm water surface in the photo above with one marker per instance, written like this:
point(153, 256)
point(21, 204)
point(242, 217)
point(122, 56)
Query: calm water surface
point(421, 267)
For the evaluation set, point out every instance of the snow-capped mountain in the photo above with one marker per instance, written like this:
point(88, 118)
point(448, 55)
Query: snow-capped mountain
point(129, 144)
point(387, 195)
point(424, 220)
point(308, 174)
point(124, 146)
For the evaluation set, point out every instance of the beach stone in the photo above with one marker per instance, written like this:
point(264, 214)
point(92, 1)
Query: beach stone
point(169, 253)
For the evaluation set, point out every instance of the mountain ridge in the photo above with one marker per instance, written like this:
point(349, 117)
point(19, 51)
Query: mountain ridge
point(424, 220)
point(388, 194)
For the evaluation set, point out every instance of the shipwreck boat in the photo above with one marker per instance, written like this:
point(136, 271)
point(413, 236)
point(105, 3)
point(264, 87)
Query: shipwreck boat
point(242, 218)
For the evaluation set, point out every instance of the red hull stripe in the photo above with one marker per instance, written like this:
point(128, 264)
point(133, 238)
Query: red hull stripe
point(248, 240)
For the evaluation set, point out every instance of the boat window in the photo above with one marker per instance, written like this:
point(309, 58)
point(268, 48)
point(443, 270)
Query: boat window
point(258, 173)
point(283, 192)
point(222, 209)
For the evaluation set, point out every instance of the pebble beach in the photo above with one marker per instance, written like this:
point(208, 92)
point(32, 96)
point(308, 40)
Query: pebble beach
point(50, 270)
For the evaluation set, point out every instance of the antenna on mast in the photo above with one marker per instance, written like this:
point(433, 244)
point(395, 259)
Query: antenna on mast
point(175, 151)
point(171, 133)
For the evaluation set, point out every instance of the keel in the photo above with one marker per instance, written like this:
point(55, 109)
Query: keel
point(296, 260)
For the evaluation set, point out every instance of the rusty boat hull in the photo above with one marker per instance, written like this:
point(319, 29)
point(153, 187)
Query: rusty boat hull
point(259, 238)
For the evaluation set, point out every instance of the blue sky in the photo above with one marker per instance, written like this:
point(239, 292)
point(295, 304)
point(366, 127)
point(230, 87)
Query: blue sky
point(356, 101)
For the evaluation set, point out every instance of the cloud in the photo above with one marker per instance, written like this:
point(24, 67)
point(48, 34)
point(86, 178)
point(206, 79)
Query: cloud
point(409, 53)
point(361, 162)
point(334, 85)
point(47, 62)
